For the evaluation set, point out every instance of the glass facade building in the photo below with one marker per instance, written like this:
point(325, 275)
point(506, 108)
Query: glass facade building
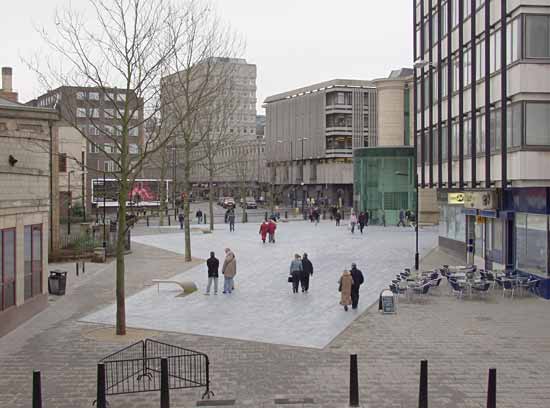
point(384, 182)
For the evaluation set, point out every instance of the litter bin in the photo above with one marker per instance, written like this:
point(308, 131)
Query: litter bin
point(57, 282)
point(387, 302)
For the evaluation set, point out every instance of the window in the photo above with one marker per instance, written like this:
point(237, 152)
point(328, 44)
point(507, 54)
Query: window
point(94, 113)
point(443, 20)
point(7, 268)
point(467, 67)
point(93, 96)
point(80, 112)
point(515, 124)
point(496, 134)
point(537, 36)
point(94, 148)
point(81, 95)
point(513, 40)
point(444, 142)
point(467, 8)
point(133, 148)
point(121, 97)
point(83, 129)
point(454, 12)
point(537, 117)
point(62, 162)
point(133, 131)
point(480, 136)
point(109, 147)
point(454, 139)
point(495, 51)
point(108, 166)
point(109, 113)
point(435, 137)
point(109, 96)
point(467, 137)
point(480, 60)
point(33, 260)
point(93, 130)
point(532, 243)
point(444, 79)
point(456, 74)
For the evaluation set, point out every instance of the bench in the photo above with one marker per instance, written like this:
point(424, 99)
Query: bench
point(186, 287)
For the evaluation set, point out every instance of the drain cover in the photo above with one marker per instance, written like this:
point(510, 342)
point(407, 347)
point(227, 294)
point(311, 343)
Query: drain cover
point(292, 401)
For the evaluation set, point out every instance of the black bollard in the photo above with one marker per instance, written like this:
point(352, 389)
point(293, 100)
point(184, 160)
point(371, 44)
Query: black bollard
point(175, 212)
point(423, 392)
point(101, 400)
point(265, 216)
point(168, 220)
point(164, 391)
point(204, 217)
point(36, 390)
point(76, 268)
point(353, 381)
point(147, 218)
point(492, 389)
point(83, 267)
point(286, 215)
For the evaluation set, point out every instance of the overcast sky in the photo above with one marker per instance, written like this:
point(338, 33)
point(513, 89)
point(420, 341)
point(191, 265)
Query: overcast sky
point(293, 42)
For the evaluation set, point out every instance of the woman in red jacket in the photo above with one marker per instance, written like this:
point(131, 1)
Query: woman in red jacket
point(264, 228)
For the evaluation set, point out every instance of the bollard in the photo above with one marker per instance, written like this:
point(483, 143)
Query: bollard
point(147, 218)
point(168, 220)
point(164, 391)
point(175, 212)
point(423, 392)
point(204, 219)
point(353, 381)
point(76, 268)
point(492, 389)
point(166, 212)
point(83, 267)
point(36, 390)
point(265, 216)
point(286, 215)
point(101, 400)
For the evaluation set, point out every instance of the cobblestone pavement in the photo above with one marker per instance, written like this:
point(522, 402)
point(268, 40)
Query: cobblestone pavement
point(460, 338)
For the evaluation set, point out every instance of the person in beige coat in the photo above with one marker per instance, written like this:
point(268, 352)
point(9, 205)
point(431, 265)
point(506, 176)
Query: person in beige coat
point(229, 270)
point(345, 284)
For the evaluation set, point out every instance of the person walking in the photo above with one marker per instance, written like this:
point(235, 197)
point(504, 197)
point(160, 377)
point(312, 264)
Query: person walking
point(198, 214)
point(271, 227)
point(231, 220)
point(345, 284)
point(307, 271)
point(352, 222)
point(213, 264)
point(229, 270)
point(181, 219)
point(362, 221)
point(401, 218)
point(264, 229)
point(366, 218)
point(338, 217)
point(296, 270)
point(358, 280)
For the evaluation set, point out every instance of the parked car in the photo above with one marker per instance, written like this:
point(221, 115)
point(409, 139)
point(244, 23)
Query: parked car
point(228, 202)
point(250, 202)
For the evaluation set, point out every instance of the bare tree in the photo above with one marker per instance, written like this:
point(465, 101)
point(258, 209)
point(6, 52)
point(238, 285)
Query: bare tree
point(201, 82)
point(131, 44)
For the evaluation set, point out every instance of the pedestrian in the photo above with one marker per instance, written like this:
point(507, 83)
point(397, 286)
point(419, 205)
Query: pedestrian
point(296, 272)
point(229, 270)
point(352, 222)
point(264, 229)
point(307, 271)
point(213, 264)
point(366, 218)
point(362, 221)
point(358, 280)
point(198, 214)
point(337, 217)
point(271, 227)
point(401, 218)
point(181, 218)
point(345, 284)
point(231, 220)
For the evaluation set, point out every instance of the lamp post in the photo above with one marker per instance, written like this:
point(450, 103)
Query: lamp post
point(302, 139)
point(70, 204)
point(104, 218)
point(83, 181)
point(174, 176)
point(419, 64)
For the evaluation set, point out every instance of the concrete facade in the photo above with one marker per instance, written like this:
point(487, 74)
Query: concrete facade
point(27, 135)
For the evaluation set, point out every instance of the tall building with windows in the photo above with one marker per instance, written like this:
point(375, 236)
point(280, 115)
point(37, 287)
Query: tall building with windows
point(96, 113)
point(482, 128)
point(28, 180)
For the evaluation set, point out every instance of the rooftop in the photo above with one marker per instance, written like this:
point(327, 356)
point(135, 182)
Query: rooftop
point(321, 86)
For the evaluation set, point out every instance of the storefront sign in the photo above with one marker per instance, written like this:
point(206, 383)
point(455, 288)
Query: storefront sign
point(455, 198)
point(480, 220)
point(480, 200)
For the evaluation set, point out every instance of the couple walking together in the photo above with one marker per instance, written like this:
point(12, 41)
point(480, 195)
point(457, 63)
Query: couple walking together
point(229, 270)
point(349, 285)
point(268, 227)
point(301, 269)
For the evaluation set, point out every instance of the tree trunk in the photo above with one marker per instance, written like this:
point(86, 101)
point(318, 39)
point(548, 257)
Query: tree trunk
point(120, 249)
point(186, 208)
point(163, 169)
point(211, 198)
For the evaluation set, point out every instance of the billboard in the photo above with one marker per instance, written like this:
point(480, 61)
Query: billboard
point(143, 192)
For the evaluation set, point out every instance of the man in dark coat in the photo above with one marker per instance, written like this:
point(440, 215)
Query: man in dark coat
point(358, 280)
point(362, 221)
point(213, 264)
point(307, 271)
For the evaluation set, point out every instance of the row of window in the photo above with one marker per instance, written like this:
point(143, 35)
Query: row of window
point(528, 125)
point(96, 130)
point(112, 148)
point(32, 264)
point(94, 96)
point(108, 113)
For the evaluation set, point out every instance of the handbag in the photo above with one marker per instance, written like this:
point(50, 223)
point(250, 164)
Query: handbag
point(340, 286)
point(290, 280)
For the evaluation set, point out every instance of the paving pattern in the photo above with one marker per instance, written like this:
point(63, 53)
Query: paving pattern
point(263, 307)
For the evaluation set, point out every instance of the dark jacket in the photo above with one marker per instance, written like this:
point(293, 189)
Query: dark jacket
point(357, 277)
point(307, 267)
point(213, 265)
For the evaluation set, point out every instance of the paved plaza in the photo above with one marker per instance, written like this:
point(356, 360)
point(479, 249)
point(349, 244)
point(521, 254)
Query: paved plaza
point(461, 339)
point(263, 307)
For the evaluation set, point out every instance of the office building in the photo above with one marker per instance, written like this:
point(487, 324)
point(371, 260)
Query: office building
point(482, 128)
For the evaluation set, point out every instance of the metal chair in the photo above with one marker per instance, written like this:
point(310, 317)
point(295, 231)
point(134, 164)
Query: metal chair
point(482, 288)
point(457, 290)
point(508, 285)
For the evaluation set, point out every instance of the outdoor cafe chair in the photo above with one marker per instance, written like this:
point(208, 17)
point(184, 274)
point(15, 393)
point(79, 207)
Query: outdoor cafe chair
point(508, 285)
point(482, 288)
point(490, 278)
point(457, 290)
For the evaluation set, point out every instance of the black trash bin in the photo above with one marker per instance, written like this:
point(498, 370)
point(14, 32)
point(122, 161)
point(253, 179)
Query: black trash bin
point(57, 282)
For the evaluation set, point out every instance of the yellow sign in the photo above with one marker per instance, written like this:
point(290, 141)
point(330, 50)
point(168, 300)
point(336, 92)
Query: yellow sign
point(480, 220)
point(455, 198)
